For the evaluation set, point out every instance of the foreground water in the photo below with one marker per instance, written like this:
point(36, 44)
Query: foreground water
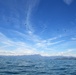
point(23, 66)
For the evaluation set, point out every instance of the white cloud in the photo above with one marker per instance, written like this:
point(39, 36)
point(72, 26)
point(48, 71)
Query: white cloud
point(74, 39)
point(68, 2)
point(17, 52)
point(68, 52)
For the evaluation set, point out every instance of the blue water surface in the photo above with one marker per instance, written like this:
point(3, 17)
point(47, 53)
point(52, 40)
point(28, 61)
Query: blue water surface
point(23, 66)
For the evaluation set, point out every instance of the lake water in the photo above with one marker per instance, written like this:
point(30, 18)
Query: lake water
point(23, 66)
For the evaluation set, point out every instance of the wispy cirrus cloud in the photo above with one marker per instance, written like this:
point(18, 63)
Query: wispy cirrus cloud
point(5, 40)
point(40, 42)
point(31, 6)
point(45, 43)
point(49, 42)
point(30, 35)
point(68, 2)
point(39, 47)
point(11, 47)
point(44, 28)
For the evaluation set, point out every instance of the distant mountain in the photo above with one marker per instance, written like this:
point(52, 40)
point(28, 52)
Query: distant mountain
point(67, 58)
point(37, 56)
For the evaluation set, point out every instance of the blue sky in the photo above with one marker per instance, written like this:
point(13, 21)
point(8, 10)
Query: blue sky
point(45, 27)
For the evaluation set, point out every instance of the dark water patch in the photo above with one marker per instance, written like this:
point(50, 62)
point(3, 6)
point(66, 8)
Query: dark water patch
point(2, 67)
point(23, 66)
point(28, 71)
point(42, 73)
point(67, 65)
point(62, 69)
point(58, 69)
point(10, 72)
point(26, 66)
point(8, 62)
point(39, 67)
point(73, 73)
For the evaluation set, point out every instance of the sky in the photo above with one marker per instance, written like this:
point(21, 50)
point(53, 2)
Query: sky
point(45, 27)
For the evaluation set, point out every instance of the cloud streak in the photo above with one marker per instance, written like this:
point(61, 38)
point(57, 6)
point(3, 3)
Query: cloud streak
point(31, 6)
point(68, 2)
